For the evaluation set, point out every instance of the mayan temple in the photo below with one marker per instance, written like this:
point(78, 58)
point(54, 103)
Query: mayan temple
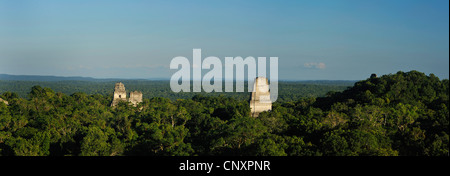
point(135, 98)
point(260, 99)
point(120, 94)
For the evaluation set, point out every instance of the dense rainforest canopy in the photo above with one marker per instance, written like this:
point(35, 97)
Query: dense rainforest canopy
point(398, 114)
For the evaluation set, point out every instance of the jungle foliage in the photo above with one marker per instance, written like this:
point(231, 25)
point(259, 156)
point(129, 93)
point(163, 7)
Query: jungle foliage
point(398, 114)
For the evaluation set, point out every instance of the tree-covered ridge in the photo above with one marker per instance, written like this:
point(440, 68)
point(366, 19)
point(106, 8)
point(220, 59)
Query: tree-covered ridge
point(397, 114)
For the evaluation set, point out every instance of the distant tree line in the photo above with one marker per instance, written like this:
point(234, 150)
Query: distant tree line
point(288, 91)
point(398, 114)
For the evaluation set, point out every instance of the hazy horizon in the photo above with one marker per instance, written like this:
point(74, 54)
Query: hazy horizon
point(149, 79)
point(314, 40)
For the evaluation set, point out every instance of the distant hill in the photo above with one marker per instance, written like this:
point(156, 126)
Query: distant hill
point(44, 78)
point(8, 77)
point(324, 82)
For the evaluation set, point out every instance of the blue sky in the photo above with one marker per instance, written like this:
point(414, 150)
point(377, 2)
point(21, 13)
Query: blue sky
point(314, 39)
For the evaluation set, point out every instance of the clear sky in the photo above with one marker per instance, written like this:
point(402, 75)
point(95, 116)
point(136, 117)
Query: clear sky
point(314, 39)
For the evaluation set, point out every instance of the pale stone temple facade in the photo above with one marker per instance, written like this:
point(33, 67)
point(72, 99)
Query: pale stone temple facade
point(120, 94)
point(135, 97)
point(260, 99)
